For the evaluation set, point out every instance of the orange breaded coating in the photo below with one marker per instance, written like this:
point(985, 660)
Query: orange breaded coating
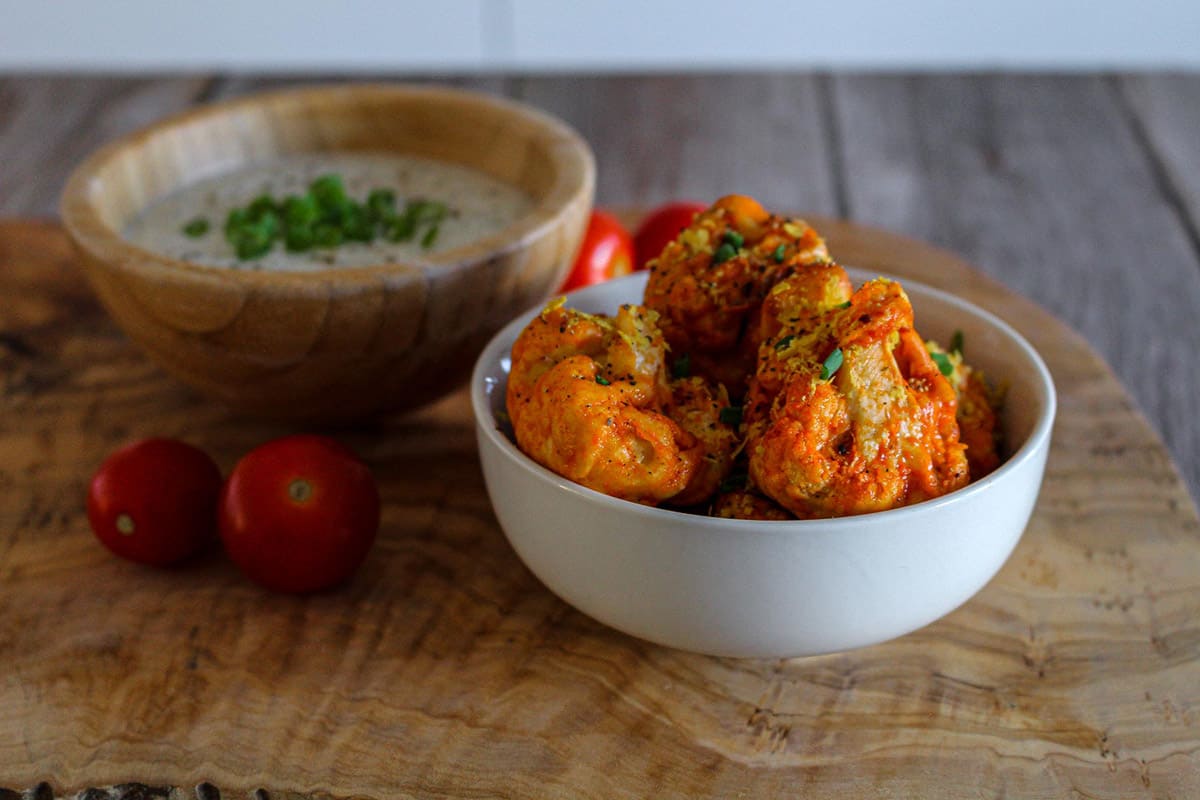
point(802, 297)
point(708, 284)
point(877, 430)
point(589, 399)
point(696, 404)
point(978, 424)
point(747, 504)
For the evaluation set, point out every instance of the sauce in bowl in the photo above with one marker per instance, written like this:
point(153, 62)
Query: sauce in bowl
point(478, 206)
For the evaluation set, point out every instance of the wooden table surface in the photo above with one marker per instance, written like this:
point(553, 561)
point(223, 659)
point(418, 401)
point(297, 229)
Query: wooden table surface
point(1074, 674)
point(1080, 192)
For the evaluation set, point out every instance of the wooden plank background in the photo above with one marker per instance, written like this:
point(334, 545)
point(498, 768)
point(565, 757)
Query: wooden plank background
point(1082, 192)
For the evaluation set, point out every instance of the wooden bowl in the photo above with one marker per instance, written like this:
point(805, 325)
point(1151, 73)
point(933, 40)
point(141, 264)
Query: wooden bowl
point(340, 343)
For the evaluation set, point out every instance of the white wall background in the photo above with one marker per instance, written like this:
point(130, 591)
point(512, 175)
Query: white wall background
point(615, 36)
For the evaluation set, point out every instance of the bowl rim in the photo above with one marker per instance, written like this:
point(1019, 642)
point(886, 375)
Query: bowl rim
point(574, 182)
point(1035, 442)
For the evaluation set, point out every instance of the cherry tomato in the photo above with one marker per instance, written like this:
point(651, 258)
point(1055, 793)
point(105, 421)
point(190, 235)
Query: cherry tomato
point(661, 227)
point(155, 501)
point(299, 514)
point(607, 252)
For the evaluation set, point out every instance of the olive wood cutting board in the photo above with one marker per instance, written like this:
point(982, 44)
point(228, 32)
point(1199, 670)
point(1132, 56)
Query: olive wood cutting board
point(444, 669)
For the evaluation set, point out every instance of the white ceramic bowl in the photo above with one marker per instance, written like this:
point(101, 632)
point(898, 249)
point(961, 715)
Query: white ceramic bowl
point(772, 589)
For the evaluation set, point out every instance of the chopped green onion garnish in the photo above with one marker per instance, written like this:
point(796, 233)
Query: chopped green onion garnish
point(731, 415)
point(956, 343)
point(401, 229)
point(682, 368)
point(337, 213)
point(846, 304)
point(261, 206)
point(832, 364)
point(733, 238)
point(779, 253)
point(196, 228)
point(325, 217)
point(381, 203)
point(236, 219)
point(252, 243)
point(358, 227)
point(328, 190)
point(944, 365)
point(784, 342)
point(603, 381)
point(326, 235)
point(301, 210)
point(299, 239)
point(267, 225)
point(724, 253)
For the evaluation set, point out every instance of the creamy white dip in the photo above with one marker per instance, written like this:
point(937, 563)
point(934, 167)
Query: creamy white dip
point(479, 204)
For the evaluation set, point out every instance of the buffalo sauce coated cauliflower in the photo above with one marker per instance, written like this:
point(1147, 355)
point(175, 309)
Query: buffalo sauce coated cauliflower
point(847, 412)
point(978, 426)
point(838, 405)
point(708, 285)
point(589, 399)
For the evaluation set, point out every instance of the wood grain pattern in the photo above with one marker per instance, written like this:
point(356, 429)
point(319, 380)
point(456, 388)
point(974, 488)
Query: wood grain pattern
point(445, 670)
point(345, 343)
point(49, 124)
point(1166, 109)
point(662, 138)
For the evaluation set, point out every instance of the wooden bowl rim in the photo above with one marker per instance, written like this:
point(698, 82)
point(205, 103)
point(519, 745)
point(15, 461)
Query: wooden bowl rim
point(574, 180)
